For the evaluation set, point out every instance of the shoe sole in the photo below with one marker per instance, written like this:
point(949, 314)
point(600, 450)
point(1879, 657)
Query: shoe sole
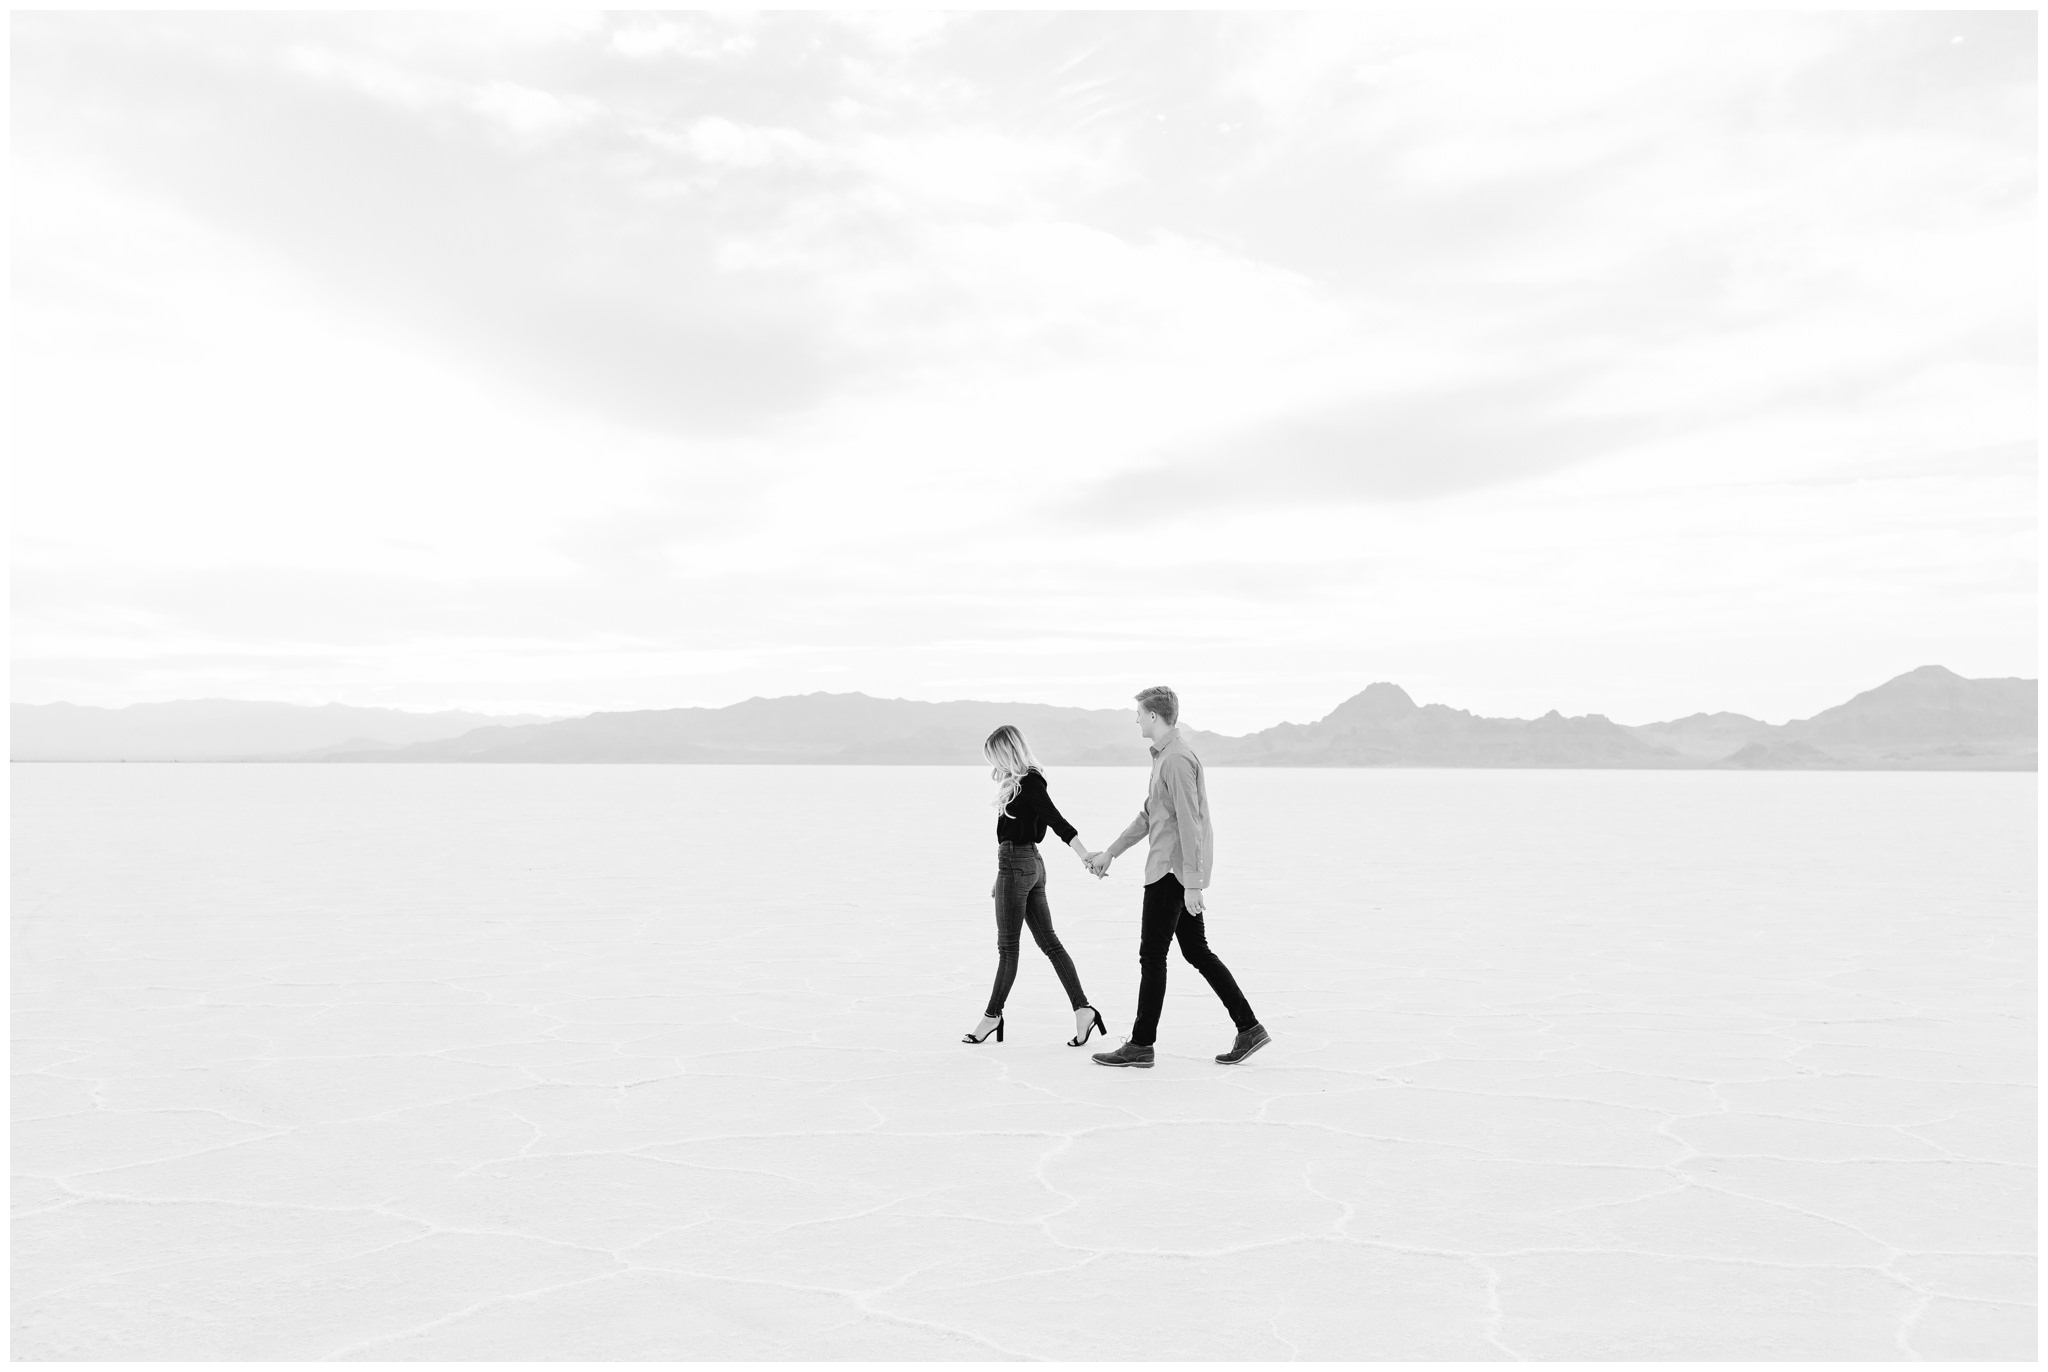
point(1100, 1063)
point(1228, 1061)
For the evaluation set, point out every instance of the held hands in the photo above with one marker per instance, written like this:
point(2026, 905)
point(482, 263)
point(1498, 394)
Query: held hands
point(1097, 863)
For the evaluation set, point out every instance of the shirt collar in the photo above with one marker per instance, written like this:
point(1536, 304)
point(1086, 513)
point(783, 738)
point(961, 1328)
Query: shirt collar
point(1172, 737)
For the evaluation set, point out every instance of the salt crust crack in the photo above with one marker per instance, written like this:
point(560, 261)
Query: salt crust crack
point(1797, 1035)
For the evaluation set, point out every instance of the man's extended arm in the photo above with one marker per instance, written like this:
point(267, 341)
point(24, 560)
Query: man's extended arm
point(1136, 830)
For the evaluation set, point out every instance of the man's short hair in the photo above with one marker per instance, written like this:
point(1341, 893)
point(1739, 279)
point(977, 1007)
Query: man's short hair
point(1161, 701)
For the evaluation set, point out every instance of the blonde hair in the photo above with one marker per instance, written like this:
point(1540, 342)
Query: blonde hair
point(1012, 757)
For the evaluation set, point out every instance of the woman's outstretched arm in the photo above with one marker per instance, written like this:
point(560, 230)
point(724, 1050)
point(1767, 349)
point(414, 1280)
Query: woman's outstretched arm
point(1054, 820)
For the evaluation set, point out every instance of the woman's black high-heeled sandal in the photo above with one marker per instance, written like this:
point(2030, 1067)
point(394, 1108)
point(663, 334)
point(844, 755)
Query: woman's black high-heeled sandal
point(997, 1031)
point(1077, 1042)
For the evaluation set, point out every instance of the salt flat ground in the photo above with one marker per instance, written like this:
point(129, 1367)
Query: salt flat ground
point(472, 1062)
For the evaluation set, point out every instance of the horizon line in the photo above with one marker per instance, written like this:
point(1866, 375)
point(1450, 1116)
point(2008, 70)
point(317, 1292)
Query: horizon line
point(544, 717)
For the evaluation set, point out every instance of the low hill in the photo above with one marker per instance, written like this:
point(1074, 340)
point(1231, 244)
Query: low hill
point(1706, 737)
point(225, 730)
point(820, 727)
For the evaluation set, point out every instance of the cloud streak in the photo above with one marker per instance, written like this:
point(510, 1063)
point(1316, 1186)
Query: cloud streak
point(1405, 447)
point(1346, 346)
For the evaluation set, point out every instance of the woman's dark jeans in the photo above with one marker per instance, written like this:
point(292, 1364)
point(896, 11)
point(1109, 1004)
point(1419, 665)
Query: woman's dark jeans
point(1020, 900)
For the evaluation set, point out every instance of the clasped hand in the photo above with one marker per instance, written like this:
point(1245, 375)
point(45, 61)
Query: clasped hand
point(1098, 863)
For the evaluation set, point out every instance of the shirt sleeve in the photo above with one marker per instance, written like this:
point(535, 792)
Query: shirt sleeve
point(1047, 811)
point(1134, 831)
point(1187, 822)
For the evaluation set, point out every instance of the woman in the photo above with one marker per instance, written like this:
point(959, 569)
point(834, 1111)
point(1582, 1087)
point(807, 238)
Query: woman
point(1026, 811)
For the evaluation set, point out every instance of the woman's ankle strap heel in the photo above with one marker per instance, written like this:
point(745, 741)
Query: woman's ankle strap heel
point(1082, 1037)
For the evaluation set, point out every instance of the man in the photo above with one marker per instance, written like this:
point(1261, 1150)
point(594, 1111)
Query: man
point(1175, 825)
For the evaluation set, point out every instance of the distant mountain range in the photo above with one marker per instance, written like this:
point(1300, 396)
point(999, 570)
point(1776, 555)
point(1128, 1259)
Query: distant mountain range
point(1928, 719)
point(225, 730)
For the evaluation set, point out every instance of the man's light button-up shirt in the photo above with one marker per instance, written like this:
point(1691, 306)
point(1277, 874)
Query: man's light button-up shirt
point(1175, 819)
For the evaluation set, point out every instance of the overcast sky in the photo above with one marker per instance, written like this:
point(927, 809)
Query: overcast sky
point(1638, 364)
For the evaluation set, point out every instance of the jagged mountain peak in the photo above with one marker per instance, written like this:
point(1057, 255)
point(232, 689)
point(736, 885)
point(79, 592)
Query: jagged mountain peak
point(1381, 701)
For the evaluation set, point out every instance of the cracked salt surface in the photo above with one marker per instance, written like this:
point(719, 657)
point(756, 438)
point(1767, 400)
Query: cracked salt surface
point(544, 1063)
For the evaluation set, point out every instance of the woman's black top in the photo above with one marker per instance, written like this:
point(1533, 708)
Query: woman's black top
point(1031, 812)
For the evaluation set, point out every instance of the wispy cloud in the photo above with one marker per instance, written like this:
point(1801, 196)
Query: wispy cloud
point(1404, 447)
point(1354, 345)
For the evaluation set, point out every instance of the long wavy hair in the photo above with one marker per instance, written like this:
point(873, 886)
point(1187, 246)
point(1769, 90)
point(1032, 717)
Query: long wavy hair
point(1010, 758)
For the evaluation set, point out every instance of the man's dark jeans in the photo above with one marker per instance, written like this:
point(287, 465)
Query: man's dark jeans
point(1020, 900)
point(1167, 918)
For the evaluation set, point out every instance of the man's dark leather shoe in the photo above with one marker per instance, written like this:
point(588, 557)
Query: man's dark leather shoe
point(1249, 1041)
point(1130, 1055)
